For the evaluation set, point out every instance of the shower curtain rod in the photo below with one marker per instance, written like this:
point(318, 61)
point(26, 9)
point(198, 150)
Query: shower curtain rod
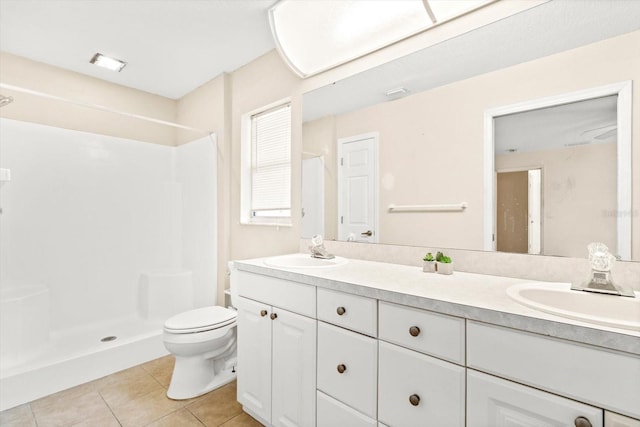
point(102, 108)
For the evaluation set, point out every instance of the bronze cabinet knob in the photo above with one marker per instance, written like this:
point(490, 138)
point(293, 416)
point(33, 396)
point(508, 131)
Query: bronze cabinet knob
point(414, 399)
point(582, 422)
point(273, 316)
point(342, 368)
point(263, 313)
point(341, 311)
point(414, 331)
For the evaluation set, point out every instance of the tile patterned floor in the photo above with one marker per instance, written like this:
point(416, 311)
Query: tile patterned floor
point(135, 397)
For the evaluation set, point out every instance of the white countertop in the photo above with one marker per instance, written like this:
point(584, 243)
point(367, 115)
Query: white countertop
point(473, 296)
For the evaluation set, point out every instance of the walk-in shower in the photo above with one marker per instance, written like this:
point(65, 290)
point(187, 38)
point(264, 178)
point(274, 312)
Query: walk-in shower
point(101, 239)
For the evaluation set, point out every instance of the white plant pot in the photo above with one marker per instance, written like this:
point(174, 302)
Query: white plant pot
point(445, 268)
point(429, 266)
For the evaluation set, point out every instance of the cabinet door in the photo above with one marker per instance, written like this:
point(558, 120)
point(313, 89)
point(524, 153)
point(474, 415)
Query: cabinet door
point(494, 402)
point(294, 370)
point(419, 390)
point(254, 357)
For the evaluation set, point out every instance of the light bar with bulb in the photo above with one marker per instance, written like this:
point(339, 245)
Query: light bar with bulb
point(107, 62)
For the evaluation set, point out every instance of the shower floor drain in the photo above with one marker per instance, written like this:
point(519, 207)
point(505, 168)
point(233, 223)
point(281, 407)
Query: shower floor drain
point(109, 338)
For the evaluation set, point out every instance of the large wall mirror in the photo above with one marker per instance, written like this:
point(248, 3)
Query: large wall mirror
point(427, 113)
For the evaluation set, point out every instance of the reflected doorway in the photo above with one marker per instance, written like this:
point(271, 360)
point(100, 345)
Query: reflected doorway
point(518, 227)
point(358, 188)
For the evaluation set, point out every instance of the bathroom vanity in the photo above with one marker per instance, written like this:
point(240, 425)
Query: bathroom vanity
point(363, 343)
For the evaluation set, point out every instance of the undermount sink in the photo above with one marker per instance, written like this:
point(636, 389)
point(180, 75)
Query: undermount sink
point(559, 299)
point(303, 261)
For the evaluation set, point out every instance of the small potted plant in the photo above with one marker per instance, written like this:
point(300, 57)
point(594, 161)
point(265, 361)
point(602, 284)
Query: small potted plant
point(429, 263)
point(444, 264)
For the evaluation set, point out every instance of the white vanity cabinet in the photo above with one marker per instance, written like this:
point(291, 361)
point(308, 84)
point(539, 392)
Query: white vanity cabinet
point(320, 357)
point(276, 351)
point(592, 375)
point(347, 360)
point(495, 402)
point(416, 388)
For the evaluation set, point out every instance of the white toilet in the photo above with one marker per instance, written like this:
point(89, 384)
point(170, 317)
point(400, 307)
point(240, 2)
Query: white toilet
point(204, 344)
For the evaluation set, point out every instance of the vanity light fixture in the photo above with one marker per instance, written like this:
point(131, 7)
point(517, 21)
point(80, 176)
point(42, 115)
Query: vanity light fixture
point(314, 36)
point(107, 62)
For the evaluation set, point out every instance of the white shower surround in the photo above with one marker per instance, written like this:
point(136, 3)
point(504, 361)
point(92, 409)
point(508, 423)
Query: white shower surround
point(85, 215)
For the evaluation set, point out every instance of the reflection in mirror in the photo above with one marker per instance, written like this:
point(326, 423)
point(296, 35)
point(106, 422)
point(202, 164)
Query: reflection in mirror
point(556, 178)
point(431, 137)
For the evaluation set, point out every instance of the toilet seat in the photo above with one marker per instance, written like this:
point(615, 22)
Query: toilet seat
point(200, 320)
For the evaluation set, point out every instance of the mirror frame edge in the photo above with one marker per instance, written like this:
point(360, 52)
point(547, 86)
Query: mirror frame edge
point(624, 91)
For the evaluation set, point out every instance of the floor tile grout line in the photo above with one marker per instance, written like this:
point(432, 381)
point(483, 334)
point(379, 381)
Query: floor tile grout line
point(109, 408)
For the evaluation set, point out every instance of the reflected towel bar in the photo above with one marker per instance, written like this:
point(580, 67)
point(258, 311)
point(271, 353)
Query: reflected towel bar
point(454, 207)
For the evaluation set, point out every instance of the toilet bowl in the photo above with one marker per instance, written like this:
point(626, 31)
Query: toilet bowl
point(204, 344)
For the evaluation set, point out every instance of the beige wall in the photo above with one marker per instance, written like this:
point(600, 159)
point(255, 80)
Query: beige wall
point(39, 77)
point(431, 143)
point(206, 107)
point(577, 202)
point(259, 83)
point(440, 131)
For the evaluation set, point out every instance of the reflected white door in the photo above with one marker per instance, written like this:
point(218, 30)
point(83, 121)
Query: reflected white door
point(357, 188)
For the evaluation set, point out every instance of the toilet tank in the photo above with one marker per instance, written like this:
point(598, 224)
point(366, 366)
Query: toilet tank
point(163, 294)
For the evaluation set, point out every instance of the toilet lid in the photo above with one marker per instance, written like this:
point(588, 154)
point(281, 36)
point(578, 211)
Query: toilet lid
point(200, 319)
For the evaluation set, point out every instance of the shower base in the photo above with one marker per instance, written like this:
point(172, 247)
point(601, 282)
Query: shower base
point(79, 355)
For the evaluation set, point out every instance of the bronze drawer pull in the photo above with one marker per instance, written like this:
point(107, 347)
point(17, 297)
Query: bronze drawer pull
point(263, 313)
point(582, 422)
point(414, 331)
point(341, 311)
point(414, 399)
point(273, 316)
point(342, 368)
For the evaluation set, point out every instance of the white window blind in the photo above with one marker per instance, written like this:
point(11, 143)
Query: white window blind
point(271, 163)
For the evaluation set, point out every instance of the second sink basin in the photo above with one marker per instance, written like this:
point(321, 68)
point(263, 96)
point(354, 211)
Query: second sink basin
point(559, 299)
point(303, 261)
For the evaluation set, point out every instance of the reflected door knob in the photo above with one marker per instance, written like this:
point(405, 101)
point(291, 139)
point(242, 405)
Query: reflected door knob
point(341, 311)
point(414, 331)
point(414, 399)
point(367, 233)
point(273, 316)
point(342, 368)
point(582, 422)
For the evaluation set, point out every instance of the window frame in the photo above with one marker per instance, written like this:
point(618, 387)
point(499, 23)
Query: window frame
point(276, 217)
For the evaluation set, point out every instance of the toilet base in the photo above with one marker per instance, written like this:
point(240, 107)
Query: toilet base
point(193, 377)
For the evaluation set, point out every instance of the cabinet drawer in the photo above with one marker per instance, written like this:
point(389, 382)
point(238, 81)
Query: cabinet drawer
point(495, 402)
point(296, 297)
point(593, 375)
point(435, 334)
point(356, 386)
point(416, 389)
point(332, 413)
point(349, 311)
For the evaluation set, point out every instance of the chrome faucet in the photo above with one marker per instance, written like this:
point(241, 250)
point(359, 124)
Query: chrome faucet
point(600, 280)
point(317, 248)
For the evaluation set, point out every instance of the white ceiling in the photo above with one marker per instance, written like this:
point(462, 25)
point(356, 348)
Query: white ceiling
point(171, 46)
point(586, 122)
